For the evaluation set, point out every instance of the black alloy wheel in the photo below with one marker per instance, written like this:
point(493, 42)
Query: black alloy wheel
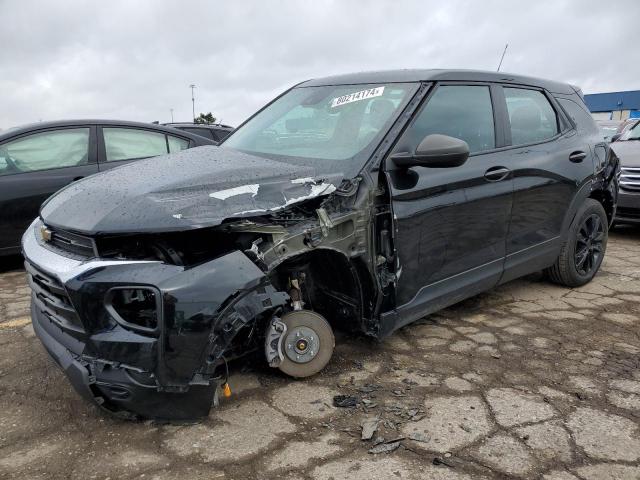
point(589, 248)
point(584, 246)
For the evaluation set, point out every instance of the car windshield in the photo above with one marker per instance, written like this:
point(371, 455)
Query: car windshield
point(631, 134)
point(608, 131)
point(331, 128)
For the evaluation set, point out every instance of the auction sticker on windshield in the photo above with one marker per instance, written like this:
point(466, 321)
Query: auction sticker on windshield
point(357, 96)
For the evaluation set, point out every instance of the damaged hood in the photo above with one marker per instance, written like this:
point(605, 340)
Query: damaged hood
point(195, 188)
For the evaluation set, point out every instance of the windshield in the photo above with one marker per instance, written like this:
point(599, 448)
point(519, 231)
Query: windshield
point(332, 128)
point(632, 133)
point(608, 131)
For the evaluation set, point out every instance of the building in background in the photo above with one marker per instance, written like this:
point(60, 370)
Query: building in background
point(614, 105)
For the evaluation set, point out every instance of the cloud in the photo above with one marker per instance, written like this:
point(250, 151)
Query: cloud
point(135, 60)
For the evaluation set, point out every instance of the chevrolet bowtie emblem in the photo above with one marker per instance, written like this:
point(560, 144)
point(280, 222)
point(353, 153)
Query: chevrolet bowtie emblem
point(45, 233)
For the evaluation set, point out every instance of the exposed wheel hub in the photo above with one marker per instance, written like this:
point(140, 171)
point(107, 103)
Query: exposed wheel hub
point(305, 345)
point(302, 344)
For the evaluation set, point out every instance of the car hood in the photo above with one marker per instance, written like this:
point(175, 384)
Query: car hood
point(628, 152)
point(195, 188)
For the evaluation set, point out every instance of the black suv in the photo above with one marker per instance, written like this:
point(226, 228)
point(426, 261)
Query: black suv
point(216, 131)
point(362, 202)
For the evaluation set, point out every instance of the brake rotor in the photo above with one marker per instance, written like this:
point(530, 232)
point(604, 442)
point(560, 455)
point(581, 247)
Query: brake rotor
point(308, 345)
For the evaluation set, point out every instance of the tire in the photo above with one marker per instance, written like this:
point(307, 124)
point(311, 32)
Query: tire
point(316, 331)
point(584, 248)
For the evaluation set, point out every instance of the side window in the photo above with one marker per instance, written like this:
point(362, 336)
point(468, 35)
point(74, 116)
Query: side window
point(203, 132)
point(532, 117)
point(128, 143)
point(208, 133)
point(177, 144)
point(463, 112)
point(583, 119)
point(44, 151)
point(221, 134)
point(216, 135)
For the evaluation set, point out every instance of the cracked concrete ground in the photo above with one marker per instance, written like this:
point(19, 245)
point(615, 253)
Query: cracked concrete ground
point(530, 380)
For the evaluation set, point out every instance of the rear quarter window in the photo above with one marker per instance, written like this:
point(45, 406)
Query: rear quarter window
point(579, 115)
point(220, 134)
point(177, 144)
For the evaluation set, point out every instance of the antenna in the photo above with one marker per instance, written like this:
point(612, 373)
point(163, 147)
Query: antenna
point(502, 57)
point(193, 102)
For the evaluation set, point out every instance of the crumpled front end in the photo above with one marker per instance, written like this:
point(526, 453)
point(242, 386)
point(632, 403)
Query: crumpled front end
point(144, 337)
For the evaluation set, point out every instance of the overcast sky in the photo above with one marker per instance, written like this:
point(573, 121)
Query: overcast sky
point(135, 60)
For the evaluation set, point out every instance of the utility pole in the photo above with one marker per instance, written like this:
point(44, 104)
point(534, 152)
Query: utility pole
point(193, 102)
point(502, 57)
point(171, 114)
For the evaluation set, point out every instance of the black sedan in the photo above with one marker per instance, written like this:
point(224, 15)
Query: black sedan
point(39, 159)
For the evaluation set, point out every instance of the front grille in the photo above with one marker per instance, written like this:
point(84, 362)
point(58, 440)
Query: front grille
point(630, 179)
point(68, 244)
point(52, 300)
point(73, 243)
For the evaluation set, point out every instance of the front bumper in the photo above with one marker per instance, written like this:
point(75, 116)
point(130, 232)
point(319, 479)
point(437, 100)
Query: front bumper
point(115, 390)
point(171, 373)
point(628, 210)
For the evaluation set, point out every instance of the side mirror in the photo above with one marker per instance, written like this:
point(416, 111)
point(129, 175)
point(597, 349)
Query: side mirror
point(615, 137)
point(435, 151)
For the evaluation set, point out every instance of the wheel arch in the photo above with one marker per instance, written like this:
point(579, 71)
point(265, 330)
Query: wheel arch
point(338, 287)
point(608, 202)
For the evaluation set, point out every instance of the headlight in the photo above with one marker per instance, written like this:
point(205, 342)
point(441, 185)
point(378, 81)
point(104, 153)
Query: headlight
point(136, 308)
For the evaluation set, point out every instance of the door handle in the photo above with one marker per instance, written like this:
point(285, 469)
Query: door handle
point(495, 174)
point(577, 157)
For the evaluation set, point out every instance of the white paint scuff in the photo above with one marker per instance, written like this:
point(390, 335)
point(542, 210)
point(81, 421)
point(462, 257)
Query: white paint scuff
point(303, 180)
point(232, 192)
point(316, 191)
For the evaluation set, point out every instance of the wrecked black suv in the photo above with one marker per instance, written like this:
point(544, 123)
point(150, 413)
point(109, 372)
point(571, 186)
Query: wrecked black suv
point(360, 202)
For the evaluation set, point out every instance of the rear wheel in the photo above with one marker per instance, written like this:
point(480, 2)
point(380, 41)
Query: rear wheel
point(308, 343)
point(584, 248)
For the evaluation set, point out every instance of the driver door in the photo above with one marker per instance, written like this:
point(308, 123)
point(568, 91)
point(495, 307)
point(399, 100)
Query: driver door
point(451, 223)
point(33, 167)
